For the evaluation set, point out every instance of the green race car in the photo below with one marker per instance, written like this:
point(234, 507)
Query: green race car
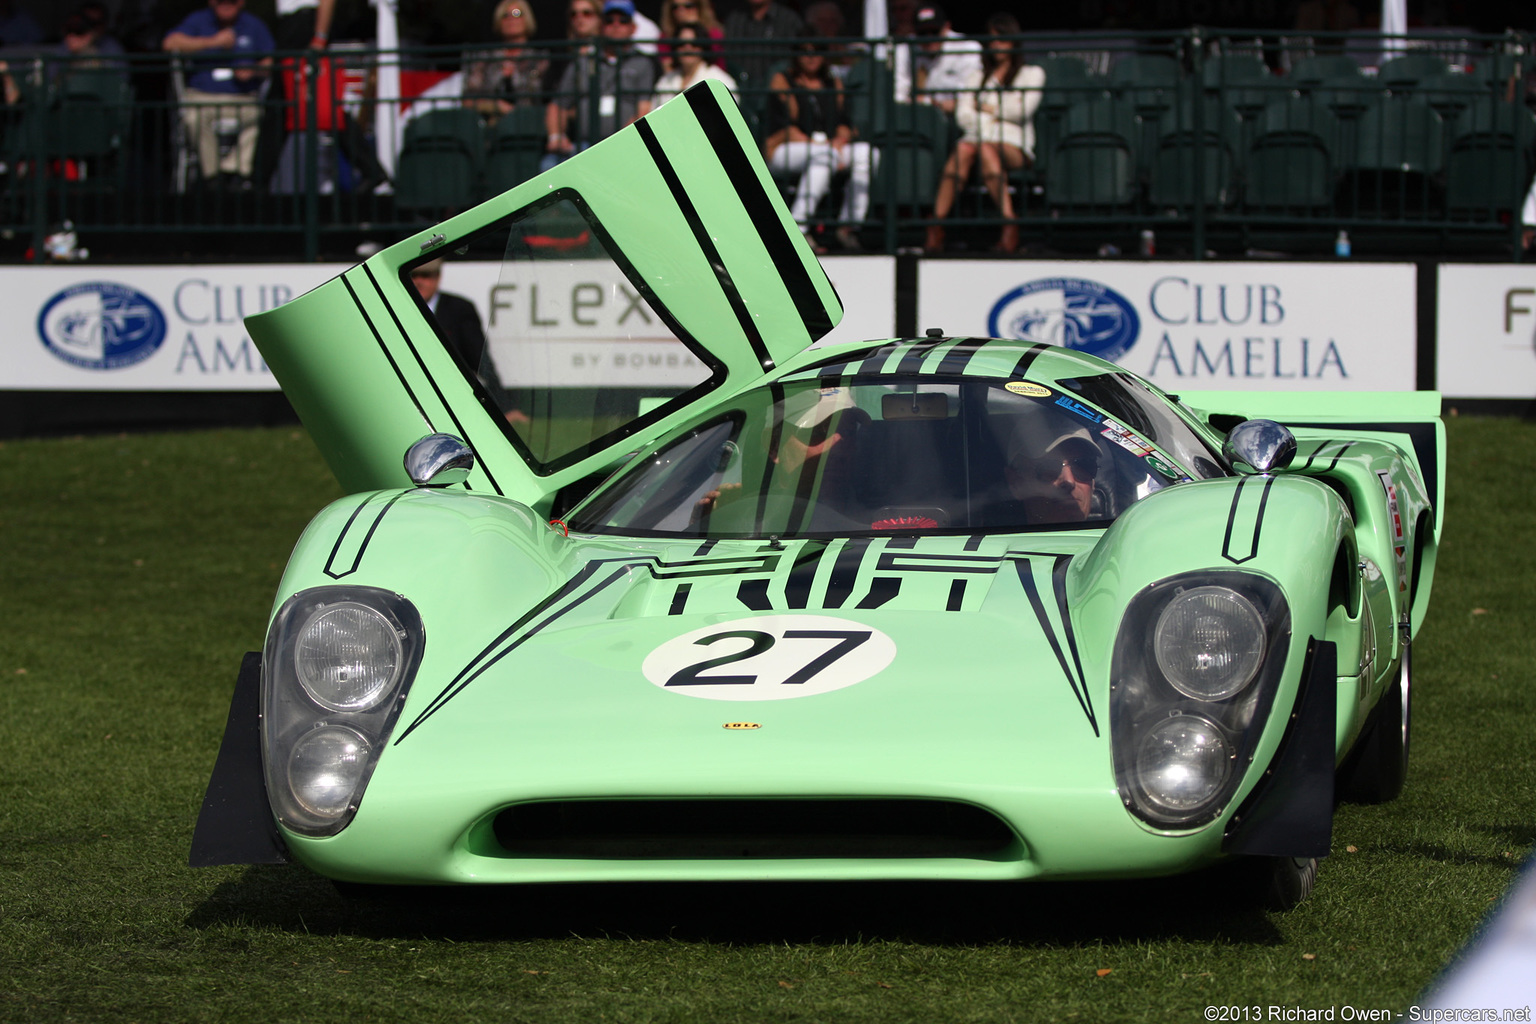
point(934, 608)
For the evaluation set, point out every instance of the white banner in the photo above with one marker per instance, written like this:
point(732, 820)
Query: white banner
point(180, 328)
point(1227, 326)
point(1485, 331)
point(581, 324)
point(143, 328)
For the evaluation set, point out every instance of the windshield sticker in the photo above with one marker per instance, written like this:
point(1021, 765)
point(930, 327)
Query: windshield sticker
point(1123, 437)
point(769, 657)
point(1024, 387)
point(1162, 467)
point(1073, 405)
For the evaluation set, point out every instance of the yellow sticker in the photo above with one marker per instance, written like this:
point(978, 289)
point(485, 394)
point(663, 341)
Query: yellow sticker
point(741, 725)
point(1024, 387)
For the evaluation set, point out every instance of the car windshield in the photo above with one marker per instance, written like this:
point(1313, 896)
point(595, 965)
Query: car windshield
point(821, 458)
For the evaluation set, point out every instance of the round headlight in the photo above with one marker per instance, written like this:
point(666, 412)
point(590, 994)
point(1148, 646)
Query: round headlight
point(1182, 764)
point(325, 768)
point(1209, 642)
point(347, 656)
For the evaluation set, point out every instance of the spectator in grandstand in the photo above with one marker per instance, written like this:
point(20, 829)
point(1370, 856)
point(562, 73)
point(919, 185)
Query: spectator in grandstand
point(510, 74)
point(763, 32)
point(947, 60)
point(995, 113)
point(690, 66)
point(231, 52)
point(824, 19)
point(809, 134)
point(700, 14)
point(303, 24)
point(615, 80)
point(86, 43)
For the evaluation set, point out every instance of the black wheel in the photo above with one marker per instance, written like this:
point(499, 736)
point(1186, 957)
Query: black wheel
point(1375, 770)
point(1265, 883)
point(1286, 881)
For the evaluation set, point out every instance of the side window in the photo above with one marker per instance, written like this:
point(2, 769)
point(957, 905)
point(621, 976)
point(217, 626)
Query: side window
point(577, 351)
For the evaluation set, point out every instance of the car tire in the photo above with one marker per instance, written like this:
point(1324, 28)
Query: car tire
point(1285, 882)
point(1376, 769)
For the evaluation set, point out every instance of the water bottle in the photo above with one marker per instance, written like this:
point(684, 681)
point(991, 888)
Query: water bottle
point(1341, 244)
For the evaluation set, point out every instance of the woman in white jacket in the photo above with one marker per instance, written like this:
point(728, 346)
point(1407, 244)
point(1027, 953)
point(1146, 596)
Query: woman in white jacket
point(995, 114)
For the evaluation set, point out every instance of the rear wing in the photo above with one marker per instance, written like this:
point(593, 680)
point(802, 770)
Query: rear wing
point(1408, 419)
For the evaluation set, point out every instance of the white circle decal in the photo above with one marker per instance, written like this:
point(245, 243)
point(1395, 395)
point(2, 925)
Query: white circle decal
point(771, 657)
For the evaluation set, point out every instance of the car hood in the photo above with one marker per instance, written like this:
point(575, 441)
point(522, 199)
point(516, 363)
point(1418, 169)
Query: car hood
point(919, 661)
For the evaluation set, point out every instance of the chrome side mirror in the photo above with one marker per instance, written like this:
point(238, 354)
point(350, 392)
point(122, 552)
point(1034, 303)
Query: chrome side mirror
point(1263, 446)
point(439, 460)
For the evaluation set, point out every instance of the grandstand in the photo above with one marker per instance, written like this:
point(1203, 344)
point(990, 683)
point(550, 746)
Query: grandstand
point(1223, 145)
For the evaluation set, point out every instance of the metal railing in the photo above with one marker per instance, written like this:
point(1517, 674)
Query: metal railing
point(1199, 142)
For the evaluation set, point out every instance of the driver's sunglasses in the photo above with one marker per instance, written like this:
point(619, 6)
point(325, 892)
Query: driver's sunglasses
point(617, 18)
point(1083, 467)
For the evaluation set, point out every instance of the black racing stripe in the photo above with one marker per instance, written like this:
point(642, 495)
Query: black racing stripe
point(704, 548)
point(1226, 538)
point(373, 328)
point(754, 594)
point(761, 211)
point(912, 362)
point(877, 358)
point(1059, 585)
point(881, 590)
point(341, 537)
point(797, 591)
point(680, 599)
point(729, 566)
point(1258, 521)
point(901, 543)
point(956, 359)
point(358, 559)
point(1320, 446)
point(937, 563)
point(1339, 455)
point(405, 336)
point(706, 244)
point(973, 542)
point(1027, 578)
point(845, 571)
point(466, 676)
point(1027, 359)
point(956, 594)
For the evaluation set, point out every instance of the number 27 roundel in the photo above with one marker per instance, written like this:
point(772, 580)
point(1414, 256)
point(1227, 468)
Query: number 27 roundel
point(771, 657)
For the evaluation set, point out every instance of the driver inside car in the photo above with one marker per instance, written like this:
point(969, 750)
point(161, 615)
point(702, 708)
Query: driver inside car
point(1051, 468)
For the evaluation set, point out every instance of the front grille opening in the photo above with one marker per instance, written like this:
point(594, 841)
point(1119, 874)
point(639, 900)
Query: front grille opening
point(751, 829)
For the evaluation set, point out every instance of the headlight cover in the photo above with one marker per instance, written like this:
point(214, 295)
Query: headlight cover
point(337, 666)
point(1196, 664)
point(1209, 642)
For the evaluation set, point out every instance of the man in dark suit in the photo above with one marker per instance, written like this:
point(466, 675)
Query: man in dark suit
point(460, 323)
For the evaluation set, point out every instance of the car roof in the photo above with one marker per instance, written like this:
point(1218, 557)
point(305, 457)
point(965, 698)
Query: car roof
point(998, 358)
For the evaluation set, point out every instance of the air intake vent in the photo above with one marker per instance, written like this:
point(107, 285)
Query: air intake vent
point(750, 829)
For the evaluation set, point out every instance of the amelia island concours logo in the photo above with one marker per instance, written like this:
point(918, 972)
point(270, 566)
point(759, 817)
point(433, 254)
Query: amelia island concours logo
point(101, 326)
point(1068, 311)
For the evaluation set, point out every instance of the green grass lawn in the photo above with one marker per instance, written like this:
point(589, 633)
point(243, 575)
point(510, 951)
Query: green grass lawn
point(135, 570)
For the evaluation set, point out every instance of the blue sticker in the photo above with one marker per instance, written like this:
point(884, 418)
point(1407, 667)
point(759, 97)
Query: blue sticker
point(1069, 311)
point(101, 326)
point(1073, 405)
